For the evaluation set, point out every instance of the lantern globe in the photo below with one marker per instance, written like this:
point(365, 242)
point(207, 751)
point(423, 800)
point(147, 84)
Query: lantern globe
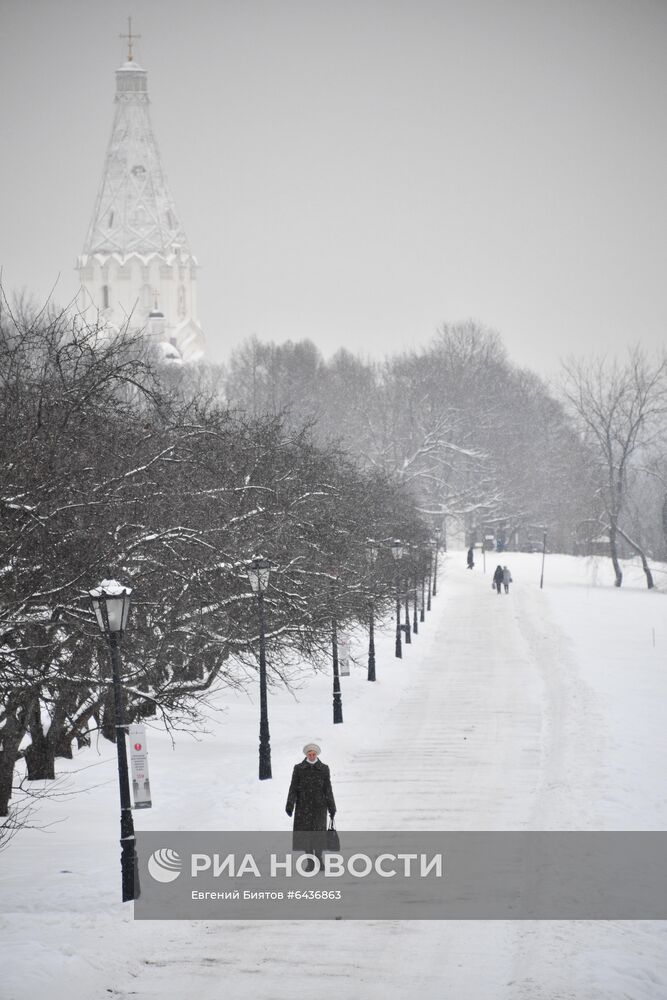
point(111, 604)
point(397, 548)
point(259, 571)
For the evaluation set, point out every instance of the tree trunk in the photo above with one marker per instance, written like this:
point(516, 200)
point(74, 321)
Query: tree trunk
point(640, 553)
point(60, 731)
point(79, 730)
point(7, 761)
point(18, 709)
point(63, 745)
point(45, 747)
point(39, 756)
point(613, 550)
point(40, 761)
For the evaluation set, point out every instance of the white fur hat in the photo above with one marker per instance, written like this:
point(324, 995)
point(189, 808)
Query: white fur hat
point(312, 746)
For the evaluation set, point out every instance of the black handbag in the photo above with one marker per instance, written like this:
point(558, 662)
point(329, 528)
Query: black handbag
point(333, 840)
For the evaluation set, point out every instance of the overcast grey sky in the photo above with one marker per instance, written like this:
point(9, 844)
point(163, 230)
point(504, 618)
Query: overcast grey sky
point(360, 171)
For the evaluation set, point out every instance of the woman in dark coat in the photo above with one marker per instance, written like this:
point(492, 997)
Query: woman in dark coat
point(498, 579)
point(311, 793)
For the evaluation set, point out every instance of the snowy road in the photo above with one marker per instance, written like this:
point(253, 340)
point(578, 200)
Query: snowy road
point(495, 719)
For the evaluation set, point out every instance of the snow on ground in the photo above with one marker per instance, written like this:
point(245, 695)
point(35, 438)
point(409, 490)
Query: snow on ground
point(543, 709)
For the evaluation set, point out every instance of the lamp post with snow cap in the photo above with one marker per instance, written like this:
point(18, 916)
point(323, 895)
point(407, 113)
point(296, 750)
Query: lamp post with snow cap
point(371, 556)
point(111, 604)
point(258, 571)
point(397, 553)
point(429, 548)
point(422, 583)
point(407, 638)
point(438, 534)
point(406, 596)
point(337, 697)
point(411, 595)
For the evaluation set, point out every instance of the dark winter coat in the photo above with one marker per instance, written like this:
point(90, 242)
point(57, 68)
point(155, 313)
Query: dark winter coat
point(498, 577)
point(310, 792)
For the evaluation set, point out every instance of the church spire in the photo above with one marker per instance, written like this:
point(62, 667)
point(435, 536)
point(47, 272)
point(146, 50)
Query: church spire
point(134, 210)
point(136, 242)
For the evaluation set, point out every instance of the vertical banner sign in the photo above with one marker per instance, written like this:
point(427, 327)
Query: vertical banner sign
point(141, 786)
point(344, 656)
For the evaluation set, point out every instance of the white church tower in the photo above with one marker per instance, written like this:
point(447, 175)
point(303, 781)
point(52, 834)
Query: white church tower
point(136, 264)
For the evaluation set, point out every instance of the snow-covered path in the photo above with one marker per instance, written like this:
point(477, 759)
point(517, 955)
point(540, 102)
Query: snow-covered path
point(500, 715)
point(462, 748)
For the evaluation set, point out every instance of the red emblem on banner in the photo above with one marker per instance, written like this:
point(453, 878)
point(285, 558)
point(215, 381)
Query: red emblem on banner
point(137, 746)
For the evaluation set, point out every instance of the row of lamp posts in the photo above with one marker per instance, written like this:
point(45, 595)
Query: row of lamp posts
point(111, 604)
point(429, 585)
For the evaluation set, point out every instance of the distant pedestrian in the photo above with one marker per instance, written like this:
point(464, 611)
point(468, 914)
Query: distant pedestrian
point(310, 792)
point(471, 557)
point(507, 579)
point(498, 579)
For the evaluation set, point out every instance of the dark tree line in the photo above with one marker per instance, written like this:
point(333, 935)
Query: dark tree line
point(114, 469)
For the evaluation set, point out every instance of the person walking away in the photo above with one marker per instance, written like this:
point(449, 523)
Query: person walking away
point(507, 579)
point(498, 579)
point(471, 557)
point(310, 797)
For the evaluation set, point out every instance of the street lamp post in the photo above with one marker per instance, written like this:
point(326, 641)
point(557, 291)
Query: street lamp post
point(111, 604)
point(415, 626)
point(337, 699)
point(485, 529)
point(371, 555)
point(408, 636)
point(397, 553)
point(430, 577)
point(422, 605)
point(259, 570)
point(437, 534)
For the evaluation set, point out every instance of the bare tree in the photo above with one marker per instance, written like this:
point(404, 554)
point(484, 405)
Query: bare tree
point(619, 407)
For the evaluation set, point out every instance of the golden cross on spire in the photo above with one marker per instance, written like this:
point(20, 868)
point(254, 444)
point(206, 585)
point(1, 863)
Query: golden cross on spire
point(130, 39)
